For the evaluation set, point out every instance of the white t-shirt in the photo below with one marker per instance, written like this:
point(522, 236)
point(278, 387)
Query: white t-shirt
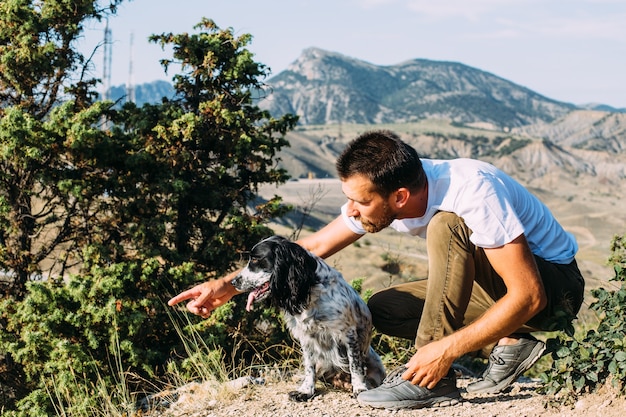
point(493, 205)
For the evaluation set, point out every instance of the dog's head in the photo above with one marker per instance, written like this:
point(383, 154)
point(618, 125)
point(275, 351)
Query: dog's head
point(281, 269)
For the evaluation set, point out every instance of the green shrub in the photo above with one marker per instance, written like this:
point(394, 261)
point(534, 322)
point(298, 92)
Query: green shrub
point(66, 336)
point(599, 356)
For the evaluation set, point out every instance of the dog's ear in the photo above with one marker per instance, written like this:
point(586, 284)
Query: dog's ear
point(294, 275)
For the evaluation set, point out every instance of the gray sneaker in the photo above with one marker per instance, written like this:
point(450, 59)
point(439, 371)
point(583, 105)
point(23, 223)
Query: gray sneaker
point(396, 393)
point(506, 364)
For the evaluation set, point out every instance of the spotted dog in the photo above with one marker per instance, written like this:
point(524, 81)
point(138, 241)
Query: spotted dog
point(322, 311)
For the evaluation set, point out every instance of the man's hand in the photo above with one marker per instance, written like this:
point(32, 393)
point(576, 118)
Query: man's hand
point(429, 365)
point(206, 297)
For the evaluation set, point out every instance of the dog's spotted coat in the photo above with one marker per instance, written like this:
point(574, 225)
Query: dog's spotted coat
point(322, 311)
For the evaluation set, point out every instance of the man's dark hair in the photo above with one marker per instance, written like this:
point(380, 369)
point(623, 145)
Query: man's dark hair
point(387, 161)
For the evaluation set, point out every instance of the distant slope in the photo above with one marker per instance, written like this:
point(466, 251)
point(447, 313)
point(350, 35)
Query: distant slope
point(542, 161)
point(152, 92)
point(601, 107)
point(591, 130)
point(325, 87)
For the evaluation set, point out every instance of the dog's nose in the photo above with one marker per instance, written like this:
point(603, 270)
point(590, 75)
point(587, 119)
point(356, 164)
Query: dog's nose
point(235, 281)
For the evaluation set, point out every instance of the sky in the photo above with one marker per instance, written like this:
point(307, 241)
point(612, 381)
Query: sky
point(567, 50)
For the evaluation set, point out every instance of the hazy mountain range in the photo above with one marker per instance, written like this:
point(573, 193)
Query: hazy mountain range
point(326, 87)
point(447, 109)
point(151, 92)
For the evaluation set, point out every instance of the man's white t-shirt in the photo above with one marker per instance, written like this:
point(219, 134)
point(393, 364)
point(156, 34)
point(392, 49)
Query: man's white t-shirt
point(493, 205)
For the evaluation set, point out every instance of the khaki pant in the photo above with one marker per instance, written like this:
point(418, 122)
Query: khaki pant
point(462, 285)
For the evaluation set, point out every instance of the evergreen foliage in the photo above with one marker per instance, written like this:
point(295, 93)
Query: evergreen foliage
point(39, 70)
point(67, 335)
point(105, 213)
point(586, 363)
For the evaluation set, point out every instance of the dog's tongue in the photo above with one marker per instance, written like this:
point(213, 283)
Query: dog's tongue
point(251, 298)
point(254, 294)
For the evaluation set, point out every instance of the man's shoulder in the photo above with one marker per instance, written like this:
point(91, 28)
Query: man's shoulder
point(464, 167)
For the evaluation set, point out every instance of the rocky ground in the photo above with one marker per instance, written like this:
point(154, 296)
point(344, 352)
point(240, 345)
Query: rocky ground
point(264, 398)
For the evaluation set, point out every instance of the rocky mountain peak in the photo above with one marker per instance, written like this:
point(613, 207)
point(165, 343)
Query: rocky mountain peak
point(325, 87)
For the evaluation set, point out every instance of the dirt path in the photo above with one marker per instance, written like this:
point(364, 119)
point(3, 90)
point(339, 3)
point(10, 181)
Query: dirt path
point(270, 399)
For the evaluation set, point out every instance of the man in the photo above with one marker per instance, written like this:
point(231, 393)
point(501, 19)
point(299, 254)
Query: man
point(500, 267)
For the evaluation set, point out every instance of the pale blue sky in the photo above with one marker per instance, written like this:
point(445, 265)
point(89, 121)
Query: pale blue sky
point(567, 50)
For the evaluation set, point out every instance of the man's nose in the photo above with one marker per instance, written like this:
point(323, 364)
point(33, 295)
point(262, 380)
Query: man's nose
point(351, 210)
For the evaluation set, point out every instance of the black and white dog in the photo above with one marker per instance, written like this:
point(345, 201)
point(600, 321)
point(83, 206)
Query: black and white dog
point(322, 311)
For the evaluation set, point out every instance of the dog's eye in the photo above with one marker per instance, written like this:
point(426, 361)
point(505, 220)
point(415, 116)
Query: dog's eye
point(257, 264)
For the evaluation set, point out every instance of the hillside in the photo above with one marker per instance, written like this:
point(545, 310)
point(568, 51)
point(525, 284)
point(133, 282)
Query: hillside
point(593, 150)
point(325, 87)
point(152, 92)
point(583, 187)
point(590, 130)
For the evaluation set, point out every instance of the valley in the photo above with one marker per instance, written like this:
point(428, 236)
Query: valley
point(584, 189)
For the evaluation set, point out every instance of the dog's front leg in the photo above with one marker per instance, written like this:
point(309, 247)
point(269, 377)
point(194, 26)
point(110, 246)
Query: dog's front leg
point(357, 361)
point(307, 389)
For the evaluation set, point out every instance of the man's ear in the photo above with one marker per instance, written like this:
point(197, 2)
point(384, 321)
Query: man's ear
point(401, 197)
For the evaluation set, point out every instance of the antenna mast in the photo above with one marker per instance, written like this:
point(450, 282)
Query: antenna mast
point(106, 72)
point(130, 86)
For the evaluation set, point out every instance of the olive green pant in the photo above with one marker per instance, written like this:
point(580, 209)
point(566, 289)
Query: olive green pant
point(462, 285)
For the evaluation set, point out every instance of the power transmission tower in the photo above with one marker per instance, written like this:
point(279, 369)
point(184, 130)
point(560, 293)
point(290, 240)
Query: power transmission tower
point(106, 71)
point(130, 86)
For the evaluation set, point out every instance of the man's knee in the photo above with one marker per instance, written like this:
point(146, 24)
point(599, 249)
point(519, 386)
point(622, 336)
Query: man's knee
point(379, 305)
point(443, 220)
point(445, 228)
point(396, 313)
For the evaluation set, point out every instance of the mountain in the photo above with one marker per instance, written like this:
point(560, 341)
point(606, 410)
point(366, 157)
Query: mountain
point(583, 129)
point(602, 107)
point(445, 109)
point(151, 92)
point(326, 87)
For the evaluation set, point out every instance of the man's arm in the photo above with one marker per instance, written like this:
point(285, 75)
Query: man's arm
point(525, 298)
point(209, 295)
point(330, 239)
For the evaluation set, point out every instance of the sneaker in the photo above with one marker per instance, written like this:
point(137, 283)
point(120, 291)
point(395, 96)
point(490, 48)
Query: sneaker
point(396, 393)
point(507, 363)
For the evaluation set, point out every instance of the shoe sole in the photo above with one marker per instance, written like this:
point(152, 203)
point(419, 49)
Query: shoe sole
point(443, 401)
point(524, 366)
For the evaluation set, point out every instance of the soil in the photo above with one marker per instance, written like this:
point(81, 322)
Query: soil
point(258, 397)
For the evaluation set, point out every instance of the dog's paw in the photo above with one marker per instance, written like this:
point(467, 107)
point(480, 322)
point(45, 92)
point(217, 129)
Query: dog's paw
point(300, 396)
point(356, 392)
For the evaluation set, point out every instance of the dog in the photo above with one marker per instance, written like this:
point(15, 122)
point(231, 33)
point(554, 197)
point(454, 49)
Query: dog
point(321, 310)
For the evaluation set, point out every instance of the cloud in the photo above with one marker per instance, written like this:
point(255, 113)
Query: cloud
point(469, 10)
point(584, 19)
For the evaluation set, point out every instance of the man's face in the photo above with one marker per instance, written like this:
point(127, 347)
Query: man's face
point(364, 204)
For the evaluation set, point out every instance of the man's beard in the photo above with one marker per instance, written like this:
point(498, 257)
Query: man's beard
point(382, 222)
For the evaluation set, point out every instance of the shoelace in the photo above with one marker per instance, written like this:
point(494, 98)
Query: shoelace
point(496, 359)
point(394, 375)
